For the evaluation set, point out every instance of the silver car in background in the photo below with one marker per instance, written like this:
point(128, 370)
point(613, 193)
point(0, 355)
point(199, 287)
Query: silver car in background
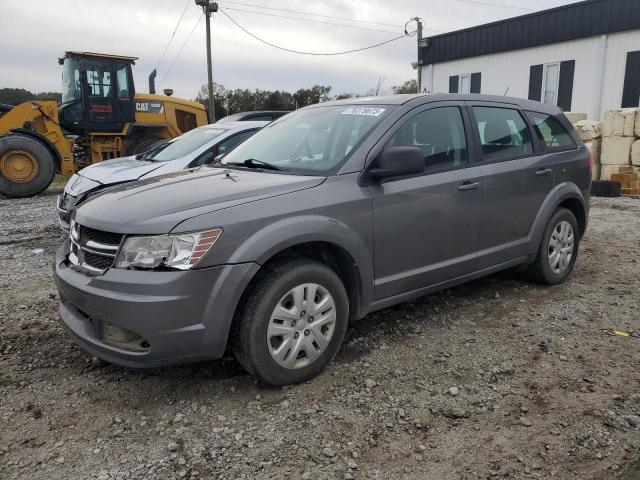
point(198, 147)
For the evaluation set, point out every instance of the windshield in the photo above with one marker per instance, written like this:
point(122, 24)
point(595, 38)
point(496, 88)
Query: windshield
point(71, 90)
point(183, 145)
point(310, 141)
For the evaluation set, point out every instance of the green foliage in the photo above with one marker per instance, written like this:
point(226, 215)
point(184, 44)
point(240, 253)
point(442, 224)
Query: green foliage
point(227, 102)
point(410, 86)
point(16, 96)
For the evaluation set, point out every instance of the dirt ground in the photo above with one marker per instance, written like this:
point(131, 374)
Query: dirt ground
point(497, 379)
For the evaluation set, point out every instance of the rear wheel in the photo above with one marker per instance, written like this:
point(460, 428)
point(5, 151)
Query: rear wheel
point(27, 167)
point(558, 250)
point(293, 322)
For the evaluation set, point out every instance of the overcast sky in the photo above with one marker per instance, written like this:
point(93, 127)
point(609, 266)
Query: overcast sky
point(35, 34)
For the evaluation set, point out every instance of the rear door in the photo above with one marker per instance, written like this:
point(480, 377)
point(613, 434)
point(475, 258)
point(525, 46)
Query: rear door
point(518, 176)
point(426, 227)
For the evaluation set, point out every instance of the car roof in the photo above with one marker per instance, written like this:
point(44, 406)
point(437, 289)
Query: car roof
point(442, 97)
point(237, 126)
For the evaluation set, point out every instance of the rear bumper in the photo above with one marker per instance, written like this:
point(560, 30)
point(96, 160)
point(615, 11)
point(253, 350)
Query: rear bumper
point(150, 319)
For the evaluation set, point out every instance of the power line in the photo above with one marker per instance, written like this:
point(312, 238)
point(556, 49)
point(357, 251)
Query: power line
point(180, 51)
point(309, 20)
point(173, 34)
point(311, 53)
point(307, 13)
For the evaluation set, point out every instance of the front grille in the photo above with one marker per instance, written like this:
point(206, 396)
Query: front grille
point(93, 251)
point(99, 236)
point(97, 261)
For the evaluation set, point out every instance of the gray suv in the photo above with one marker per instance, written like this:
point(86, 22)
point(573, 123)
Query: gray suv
point(323, 216)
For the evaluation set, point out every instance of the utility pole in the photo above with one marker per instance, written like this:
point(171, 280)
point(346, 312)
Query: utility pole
point(419, 22)
point(422, 43)
point(208, 8)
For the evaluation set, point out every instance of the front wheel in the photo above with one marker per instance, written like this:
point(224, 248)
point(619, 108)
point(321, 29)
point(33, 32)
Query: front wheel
point(293, 322)
point(27, 167)
point(558, 250)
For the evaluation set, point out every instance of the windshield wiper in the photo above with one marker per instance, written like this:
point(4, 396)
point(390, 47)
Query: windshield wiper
point(253, 163)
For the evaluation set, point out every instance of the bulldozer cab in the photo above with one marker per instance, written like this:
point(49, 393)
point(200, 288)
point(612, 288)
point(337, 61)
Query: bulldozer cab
point(97, 92)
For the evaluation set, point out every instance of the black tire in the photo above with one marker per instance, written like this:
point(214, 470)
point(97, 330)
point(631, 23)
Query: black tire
point(262, 296)
point(143, 144)
point(540, 271)
point(606, 188)
point(46, 167)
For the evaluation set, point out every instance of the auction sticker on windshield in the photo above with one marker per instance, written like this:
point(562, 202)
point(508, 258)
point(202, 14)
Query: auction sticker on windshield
point(368, 111)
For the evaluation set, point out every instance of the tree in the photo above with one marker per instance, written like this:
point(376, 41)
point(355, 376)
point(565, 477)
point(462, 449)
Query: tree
point(309, 96)
point(16, 96)
point(377, 90)
point(410, 86)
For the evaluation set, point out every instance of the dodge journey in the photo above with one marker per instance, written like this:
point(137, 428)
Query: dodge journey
point(323, 216)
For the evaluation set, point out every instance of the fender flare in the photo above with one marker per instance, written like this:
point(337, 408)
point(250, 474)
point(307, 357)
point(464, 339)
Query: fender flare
point(561, 192)
point(286, 233)
point(42, 139)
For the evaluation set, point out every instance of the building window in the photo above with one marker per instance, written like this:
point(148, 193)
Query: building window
point(466, 83)
point(551, 82)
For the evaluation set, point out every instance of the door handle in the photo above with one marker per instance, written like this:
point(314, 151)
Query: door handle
point(466, 186)
point(544, 171)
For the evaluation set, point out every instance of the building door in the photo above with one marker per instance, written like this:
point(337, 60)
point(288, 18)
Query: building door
point(631, 92)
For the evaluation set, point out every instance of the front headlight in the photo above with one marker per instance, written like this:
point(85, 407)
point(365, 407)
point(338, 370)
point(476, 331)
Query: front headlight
point(172, 251)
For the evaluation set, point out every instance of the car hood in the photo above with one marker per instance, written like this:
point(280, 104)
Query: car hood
point(157, 205)
point(119, 170)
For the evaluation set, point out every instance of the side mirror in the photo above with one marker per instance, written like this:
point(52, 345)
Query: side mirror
point(398, 162)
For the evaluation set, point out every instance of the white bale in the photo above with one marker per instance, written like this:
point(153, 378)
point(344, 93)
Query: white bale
point(638, 123)
point(596, 172)
point(620, 122)
point(607, 170)
point(635, 154)
point(575, 117)
point(588, 129)
point(616, 150)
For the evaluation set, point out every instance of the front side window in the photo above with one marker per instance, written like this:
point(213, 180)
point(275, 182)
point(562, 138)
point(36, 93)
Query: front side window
point(230, 143)
point(310, 141)
point(551, 83)
point(551, 131)
point(439, 133)
point(183, 145)
point(71, 90)
point(503, 133)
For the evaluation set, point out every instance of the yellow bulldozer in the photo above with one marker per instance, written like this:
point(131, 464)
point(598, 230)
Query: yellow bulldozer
point(100, 117)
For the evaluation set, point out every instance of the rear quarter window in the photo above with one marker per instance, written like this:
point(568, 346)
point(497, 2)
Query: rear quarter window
point(554, 135)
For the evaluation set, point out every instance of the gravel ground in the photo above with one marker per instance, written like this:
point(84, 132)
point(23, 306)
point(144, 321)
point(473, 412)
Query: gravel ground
point(496, 379)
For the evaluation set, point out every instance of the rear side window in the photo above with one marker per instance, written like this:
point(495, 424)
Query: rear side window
point(551, 131)
point(439, 133)
point(503, 133)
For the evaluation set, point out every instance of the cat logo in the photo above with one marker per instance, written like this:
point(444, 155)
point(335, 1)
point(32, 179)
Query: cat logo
point(150, 107)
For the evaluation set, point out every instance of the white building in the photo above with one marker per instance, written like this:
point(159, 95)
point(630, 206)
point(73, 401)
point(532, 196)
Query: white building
point(583, 57)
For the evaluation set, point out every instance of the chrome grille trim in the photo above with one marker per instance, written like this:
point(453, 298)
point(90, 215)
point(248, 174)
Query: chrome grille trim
point(84, 252)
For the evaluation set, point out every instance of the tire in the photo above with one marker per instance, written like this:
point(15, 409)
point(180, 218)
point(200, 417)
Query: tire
point(27, 166)
point(255, 335)
point(143, 144)
point(541, 270)
point(606, 188)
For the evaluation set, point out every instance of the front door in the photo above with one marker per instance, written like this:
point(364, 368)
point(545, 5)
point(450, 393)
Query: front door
point(426, 227)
